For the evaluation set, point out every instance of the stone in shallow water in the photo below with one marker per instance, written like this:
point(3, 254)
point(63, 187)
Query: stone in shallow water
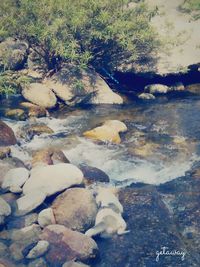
point(146, 96)
point(157, 89)
point(75, 208)
point(108, 132)
point(14, 179)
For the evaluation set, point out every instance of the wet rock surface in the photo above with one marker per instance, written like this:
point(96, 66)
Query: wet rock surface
point(157, 217)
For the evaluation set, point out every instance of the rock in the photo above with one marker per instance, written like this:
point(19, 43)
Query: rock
point(49, 156)
point(29, 202)
point(53, 179)
point(29, 131)
point(92, 88)
point(66, 245)
point(94, 175)
point(3, 250)
point(15, 179)
point(13, 54)
point(146, 96)
point(46, 217)
point(10, 198)
point(23, 221)
point(38, 263)
point(157, 89)
point(39, 94)
point(109, 131)
point(39, 250)
point(75, 208)
point(7, 136)
point(178, 87)
point(34, 110)
point(16, 114)
point(22, 240)
point(5, 209)
point(4, 262)
point(74, 264)
point(4, 152)
point(193, 88)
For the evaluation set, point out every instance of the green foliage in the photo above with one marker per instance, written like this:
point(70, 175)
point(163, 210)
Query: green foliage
point(101, 33)
point(192, 7)
point(11, 83)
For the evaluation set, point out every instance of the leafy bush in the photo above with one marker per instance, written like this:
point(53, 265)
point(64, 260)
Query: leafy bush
point(192, 7)
point(11, 83)
point(101, 33)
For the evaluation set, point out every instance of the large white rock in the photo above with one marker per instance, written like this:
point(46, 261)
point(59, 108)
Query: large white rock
point(94, 89)
point(15, 179)
point(53, 178)
point(39, 94)
point(30, 201)
point(157, 89)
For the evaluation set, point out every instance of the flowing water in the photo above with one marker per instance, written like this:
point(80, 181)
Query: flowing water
point(161, 142)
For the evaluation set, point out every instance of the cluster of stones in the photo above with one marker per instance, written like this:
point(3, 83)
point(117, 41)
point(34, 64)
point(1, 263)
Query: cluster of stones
point(46, 208)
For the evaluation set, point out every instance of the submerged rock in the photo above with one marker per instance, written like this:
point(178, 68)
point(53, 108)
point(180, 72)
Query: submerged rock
point(109, 131)
point(16, 114)
point(39, 94)
point(193, 88)
point(29, 131)
point(75, 208)
point(157, 89)
point(146, 96)
point(66, 245)
point(7, 136)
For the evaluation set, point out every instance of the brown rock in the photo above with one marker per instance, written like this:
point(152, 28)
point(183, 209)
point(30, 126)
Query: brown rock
point(93, 175)
point(34, 110)
point(16, 114)
point(66, 245)
point(30, 131)
point(49, 156)
point(75, 208)
point(7, 136)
